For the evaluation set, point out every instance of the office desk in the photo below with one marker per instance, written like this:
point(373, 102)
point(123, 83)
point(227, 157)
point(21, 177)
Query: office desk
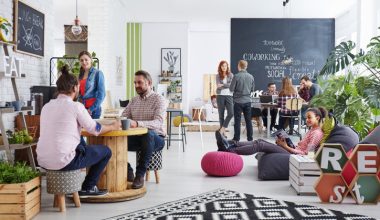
point(114, 177)
point(268, 106)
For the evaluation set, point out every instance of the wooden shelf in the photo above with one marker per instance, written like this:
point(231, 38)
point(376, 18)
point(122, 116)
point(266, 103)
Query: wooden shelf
point(12, 110)
point(8, 43)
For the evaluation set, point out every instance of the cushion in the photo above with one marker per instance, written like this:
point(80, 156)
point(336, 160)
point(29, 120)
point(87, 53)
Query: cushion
point(343, 135)
point(273, 166)
point(373, 137)
point(177, 120)
point(222, 164)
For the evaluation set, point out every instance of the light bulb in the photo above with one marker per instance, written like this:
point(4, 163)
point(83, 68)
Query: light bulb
point(76, 29)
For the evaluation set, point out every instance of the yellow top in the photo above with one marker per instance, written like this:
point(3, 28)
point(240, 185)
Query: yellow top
point(116, 133)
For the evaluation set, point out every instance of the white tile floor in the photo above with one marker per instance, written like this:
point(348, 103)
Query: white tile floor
point(182, 176)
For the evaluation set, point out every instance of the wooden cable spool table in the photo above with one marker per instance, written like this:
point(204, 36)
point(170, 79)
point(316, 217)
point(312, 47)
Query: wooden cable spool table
point(114, 177)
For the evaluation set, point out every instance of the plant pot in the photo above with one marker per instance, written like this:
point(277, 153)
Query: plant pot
point(21, 200)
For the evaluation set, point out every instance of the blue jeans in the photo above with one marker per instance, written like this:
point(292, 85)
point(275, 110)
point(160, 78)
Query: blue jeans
point(246, 109)
point(147, 144)
point(94, 156)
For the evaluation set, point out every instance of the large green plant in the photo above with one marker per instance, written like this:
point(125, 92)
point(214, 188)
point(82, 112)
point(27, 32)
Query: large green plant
point(342, 57)
point(344, 95)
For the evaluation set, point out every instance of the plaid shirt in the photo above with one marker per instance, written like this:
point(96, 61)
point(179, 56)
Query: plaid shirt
point(311, 141)
point(149, 111)
point(281, 101)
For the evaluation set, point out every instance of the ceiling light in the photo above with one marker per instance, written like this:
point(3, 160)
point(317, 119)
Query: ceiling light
point(76, 29)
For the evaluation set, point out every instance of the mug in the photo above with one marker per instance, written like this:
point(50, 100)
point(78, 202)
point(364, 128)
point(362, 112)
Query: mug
point(17, 105)
point(125, 123)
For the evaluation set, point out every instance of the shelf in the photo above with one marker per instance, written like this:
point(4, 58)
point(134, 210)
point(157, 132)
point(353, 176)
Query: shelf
point(12, 110)
point(17, 146)
point(8, 43)
point(170, 76)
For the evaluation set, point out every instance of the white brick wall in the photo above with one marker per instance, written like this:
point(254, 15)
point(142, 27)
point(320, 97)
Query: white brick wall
point(35, 68)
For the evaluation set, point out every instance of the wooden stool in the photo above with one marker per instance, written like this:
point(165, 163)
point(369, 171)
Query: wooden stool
point(154, 164)
point(60, 183)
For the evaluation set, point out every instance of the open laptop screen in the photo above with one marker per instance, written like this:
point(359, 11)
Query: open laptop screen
point(266, 99)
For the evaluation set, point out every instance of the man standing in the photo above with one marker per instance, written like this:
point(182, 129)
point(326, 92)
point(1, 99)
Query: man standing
point(146, 110)
point(59, 146)
point(273, 112)
point(242, 86)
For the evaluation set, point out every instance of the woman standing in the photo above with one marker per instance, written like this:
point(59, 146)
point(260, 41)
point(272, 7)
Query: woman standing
point(287, 92)
point(92, 91)
point(224, 95)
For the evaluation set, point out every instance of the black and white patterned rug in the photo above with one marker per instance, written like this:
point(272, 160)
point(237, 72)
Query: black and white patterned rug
point(226, 204)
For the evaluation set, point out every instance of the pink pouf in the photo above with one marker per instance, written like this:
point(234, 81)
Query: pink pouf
point(222, 163)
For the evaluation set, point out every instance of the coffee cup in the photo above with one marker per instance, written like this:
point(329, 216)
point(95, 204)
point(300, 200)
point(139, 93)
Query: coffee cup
point(17, 105)
point(125, 123)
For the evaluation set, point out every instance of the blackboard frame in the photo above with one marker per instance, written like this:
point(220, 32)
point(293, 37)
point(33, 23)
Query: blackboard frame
point(18, 48)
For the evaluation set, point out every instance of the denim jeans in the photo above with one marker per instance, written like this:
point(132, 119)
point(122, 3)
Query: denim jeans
point(246, 109)
point(147, 144)
point(94, 156)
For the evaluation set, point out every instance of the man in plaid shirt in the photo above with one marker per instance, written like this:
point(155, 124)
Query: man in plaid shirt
point(146, 110)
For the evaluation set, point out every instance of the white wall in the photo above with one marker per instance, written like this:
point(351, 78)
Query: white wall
point(35, 68)
point(209, 43)
point(106, 37)
point(165, 35)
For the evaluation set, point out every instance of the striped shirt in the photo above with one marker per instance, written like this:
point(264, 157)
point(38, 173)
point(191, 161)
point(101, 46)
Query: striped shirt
point(281, 101)
point(310, 142)
point(149, 111)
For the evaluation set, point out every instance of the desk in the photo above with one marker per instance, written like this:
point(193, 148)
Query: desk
point(268, 106)
point(169, 112)
point(114, 177)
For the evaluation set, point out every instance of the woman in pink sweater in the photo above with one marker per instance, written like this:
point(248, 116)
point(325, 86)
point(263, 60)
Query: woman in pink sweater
point(311, 140)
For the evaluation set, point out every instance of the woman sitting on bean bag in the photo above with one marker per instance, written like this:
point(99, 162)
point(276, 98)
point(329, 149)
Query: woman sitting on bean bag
point(312, 139)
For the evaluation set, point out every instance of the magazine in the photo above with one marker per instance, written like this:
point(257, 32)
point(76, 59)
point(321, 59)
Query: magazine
point(281, 134)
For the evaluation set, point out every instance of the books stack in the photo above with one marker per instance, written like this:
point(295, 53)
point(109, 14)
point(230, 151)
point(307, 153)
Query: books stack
point(303, 173)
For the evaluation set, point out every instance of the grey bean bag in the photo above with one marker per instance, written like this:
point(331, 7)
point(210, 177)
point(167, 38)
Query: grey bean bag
point(275, 166)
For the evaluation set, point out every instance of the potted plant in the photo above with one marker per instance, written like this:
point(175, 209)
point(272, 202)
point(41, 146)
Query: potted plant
point(20, 191)
point(73, 63)
point(367, 79)
point(5, 27)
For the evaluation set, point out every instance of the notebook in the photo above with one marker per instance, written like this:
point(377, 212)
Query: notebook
point(266, 99)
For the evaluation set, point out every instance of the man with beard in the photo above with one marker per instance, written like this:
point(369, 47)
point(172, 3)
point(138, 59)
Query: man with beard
point(59, 146)
point(146, 110)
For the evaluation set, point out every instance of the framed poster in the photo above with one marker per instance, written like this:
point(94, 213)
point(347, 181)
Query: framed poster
point(171, 61)
point(29, 29)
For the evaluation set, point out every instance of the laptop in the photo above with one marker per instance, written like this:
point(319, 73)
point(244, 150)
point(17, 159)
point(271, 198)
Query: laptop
point(266, 99)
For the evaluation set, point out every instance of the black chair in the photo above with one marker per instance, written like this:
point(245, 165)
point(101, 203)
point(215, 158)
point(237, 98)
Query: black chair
point(123, 103)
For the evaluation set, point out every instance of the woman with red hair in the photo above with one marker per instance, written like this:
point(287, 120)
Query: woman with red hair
point(224, 95)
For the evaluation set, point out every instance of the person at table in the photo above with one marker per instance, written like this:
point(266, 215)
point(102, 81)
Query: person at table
point(287, 92)
point(309, 90)
point(146, 110)
point(92, 89)
point(59, 147)
point(224, 96)
point(242, 85)
point(311, 140)
point(273, 112)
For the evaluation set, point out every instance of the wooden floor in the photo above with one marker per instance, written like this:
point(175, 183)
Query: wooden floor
point(182, 176)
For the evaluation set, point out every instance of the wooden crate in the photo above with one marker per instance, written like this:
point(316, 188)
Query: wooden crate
point(20, 201)
point(303, 173)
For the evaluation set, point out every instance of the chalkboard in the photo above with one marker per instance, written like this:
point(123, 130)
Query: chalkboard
point(275, 48)
point(30, 29)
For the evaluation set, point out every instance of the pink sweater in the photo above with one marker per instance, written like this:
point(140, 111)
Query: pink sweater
point(311, 140)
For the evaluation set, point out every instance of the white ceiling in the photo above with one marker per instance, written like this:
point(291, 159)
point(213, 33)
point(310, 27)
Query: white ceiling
point(207, 10)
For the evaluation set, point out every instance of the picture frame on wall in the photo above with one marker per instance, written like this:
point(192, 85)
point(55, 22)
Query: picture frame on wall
point(29, 30)
point(171, 61)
